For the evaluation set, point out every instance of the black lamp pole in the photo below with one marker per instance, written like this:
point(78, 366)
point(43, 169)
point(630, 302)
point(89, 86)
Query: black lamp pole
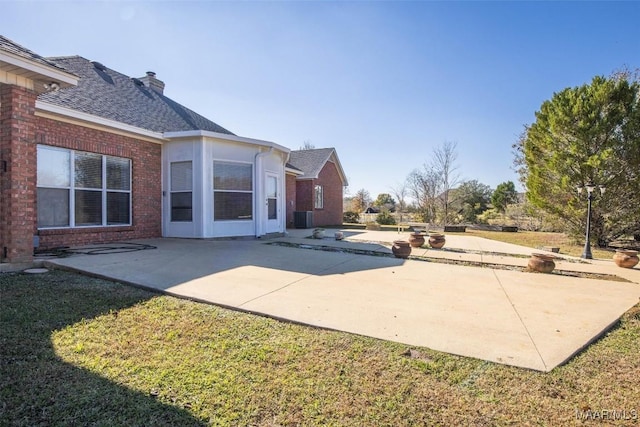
point(586, 254)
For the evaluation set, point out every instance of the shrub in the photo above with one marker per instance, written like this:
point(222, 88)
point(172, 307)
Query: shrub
point(385, 218)
point(351, 217)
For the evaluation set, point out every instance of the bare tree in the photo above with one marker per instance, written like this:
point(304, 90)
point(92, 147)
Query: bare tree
point(400, 193)
point(307, 145)
point(422, 186)
point(445, 167)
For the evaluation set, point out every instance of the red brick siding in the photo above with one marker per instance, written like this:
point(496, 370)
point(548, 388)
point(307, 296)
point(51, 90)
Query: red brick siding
point(331, 212)
point(18, 183)
point(290, 187)
point(146, 182)
point(304, 195)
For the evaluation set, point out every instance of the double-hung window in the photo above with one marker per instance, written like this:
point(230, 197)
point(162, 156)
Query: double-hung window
point(80, 189)
point(319, 197)
point(232, 191)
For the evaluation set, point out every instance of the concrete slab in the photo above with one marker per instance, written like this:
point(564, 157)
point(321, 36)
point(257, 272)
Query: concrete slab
point(529, 320)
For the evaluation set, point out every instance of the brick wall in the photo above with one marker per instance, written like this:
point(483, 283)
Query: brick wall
point(304, 195)
point(17, 173)
point(146, 191)
point(329, 179)
point(291, 201)
point(331, 213)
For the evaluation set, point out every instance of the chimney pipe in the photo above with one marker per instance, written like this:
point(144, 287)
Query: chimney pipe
point(152, 82)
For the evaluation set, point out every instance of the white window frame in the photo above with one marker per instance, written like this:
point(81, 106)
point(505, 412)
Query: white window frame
point(104, 190)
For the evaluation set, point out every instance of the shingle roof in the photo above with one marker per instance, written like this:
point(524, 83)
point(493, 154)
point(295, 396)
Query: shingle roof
point(13, 47)
point(109, 94)
point(310, 162)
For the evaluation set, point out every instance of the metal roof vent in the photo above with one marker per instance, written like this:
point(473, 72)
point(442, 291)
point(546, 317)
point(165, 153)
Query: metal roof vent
point(99, 66)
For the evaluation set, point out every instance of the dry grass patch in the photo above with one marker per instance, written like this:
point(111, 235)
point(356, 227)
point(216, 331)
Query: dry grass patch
point(537, 239)
point(99, 353)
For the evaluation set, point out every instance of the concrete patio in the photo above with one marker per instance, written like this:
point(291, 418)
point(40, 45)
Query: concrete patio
point(508, 316)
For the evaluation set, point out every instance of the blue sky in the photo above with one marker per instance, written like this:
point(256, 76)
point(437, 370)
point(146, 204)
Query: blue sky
point(382, 82)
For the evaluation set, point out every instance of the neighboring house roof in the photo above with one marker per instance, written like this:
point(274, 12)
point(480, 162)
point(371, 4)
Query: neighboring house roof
point(108, 94)
point(311, 162)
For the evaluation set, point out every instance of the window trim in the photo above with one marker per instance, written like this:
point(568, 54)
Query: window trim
point(72, 188)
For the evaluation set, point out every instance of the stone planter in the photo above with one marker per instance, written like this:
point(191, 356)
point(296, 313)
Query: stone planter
point(416, 240)
point(625, 258)
point(339, 235)
point(436, 240)
point(541, 263)
point(318, 233)
point(401, 249)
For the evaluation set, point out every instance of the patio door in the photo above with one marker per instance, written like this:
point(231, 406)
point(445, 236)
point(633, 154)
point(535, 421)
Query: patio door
point(273, 203)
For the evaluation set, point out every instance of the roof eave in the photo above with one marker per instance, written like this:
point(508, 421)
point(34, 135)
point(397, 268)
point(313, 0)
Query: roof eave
point(37, 71)
point(226, 137)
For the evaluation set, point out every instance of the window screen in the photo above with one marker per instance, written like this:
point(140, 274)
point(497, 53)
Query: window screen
point(181, 191)
point(72, 188)
point(233, 191)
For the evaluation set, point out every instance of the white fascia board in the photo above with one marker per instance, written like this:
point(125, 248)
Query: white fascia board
point(293, 171)
point(90, 118)
point(46, 71)
point(226, 137)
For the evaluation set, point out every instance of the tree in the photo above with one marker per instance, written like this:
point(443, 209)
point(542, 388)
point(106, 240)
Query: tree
point(444, 166)
point(422, 186)
point(361, 200)
point(586, 134)
point(385, 201)
point(307, 145)
point(400, 192)
point(504, 194)
point(474, 199)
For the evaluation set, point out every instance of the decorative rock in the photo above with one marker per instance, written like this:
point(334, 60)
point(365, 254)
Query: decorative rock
point(401, 249)
point(339, 235)
point(541, 263)
point(626, 258)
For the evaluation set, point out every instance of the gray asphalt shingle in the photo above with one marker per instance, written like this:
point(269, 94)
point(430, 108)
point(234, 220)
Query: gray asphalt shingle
point(13, 47)
point(109, 94)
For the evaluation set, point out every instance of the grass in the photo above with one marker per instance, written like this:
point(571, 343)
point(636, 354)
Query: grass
point(83, 351)
point(537, 239)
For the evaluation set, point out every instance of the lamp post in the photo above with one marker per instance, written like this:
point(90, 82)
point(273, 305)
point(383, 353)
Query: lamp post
point(586, 253)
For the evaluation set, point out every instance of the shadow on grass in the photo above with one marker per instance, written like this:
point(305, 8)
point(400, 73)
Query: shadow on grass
point(37, 388)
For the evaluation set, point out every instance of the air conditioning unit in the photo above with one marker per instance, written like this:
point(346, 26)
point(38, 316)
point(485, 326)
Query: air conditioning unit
point(303, 219)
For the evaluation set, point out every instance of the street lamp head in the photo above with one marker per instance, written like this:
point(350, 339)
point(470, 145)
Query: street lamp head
point(590, 188)
point(579, 188)
point(602, 189)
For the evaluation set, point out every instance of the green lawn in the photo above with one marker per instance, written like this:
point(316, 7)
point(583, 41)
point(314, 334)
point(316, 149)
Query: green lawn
point(82, 351)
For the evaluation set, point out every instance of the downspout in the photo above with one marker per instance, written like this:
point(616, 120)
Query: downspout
point(260, 198)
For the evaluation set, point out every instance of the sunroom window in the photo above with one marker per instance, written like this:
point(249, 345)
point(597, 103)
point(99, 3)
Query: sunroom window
point(232, 191)
point(80, 189)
